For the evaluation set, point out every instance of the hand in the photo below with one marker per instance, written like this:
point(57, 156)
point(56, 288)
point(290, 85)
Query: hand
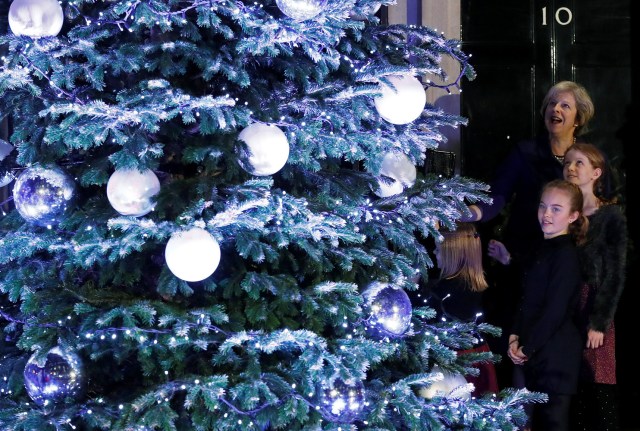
point(499, 252)
point(595, 339)
point(515, 352)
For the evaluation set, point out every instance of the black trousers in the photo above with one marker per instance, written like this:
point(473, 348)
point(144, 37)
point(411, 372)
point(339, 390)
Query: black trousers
point(552, 415)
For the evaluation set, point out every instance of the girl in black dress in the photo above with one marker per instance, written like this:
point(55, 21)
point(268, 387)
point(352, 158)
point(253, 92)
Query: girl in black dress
point(545, 339)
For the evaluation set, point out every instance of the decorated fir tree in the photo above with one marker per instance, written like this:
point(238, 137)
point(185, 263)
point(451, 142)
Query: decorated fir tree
point(214, 212)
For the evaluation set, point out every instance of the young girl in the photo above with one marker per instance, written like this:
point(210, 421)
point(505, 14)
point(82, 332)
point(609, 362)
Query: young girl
point(457, 293)
point(603, 263)
point(545, 340)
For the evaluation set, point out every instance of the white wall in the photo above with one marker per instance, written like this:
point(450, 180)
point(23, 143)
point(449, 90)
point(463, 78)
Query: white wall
point(443, 16)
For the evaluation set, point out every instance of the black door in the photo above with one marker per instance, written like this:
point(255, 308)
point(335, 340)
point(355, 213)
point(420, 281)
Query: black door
point(521, 48)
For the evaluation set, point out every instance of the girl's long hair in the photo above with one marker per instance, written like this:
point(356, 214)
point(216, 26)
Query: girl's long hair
point(461, 256)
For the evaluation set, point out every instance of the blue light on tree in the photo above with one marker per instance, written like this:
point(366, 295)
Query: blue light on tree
point(342, 402)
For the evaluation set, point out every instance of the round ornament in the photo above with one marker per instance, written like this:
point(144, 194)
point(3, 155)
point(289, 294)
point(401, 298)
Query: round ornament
point(389, 310)
point(301, 10)
point(388, 187)
point(60, 379)
point(35, 18)
point(402, 103)
point(131, 192)
point(266, 151)
point(400, 169)
point(43, 194)
point(6, 178)
point(5, 149)
point(192, 255)
point(342, 402)
point(450, 381)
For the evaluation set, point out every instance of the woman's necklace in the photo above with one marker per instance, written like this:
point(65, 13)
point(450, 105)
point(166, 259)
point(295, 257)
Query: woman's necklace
point(560, 159)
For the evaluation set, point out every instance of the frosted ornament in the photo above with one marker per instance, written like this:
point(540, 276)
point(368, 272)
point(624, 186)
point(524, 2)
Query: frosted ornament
point(399, 167)
point(131, 192)
point(44, 194)
point(389, 310)
point(342, 402)
point(450, 382)
point(388, 188)
point(301, 10)
point(5, 149)
point(192, 255)
point(267, 149)
point(36, 18)
point(404, 102)
point(60, 379)
point(5, 176)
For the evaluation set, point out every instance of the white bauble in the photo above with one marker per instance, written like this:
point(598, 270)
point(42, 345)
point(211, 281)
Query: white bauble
point(398, 167)
point(301, 10)
point(450, 382)
point(5, 149)
point(388, 188)
point(35, 18)
point(131, 192)
point(5, 176)
point(267, 149)
point(403, 104)
point(192, 255)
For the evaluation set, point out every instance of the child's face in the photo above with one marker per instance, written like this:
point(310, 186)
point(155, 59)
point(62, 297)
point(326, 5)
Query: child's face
point(579, 170)
point(554, 213)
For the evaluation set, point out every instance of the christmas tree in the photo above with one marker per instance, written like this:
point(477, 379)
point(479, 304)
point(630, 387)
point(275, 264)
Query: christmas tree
point(214, 214)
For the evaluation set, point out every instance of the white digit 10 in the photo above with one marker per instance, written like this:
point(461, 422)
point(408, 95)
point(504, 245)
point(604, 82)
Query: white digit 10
point(566, 10)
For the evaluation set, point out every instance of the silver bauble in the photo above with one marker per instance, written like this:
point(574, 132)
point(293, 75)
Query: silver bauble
point(60, 379)
point(389, 309)
point(43, 194)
